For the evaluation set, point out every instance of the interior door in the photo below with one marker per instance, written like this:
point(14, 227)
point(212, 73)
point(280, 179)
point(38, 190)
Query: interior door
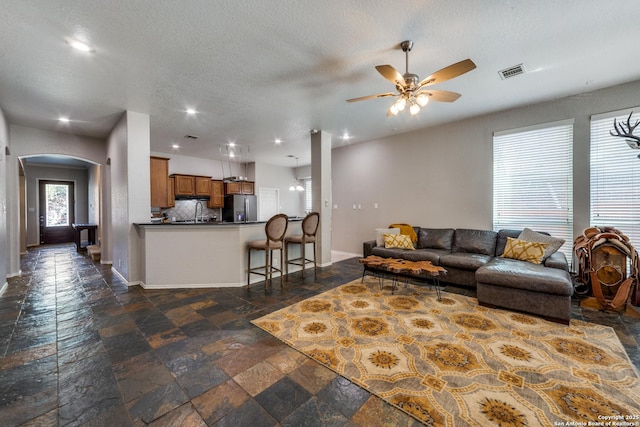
point(57, 212)
point(269, 203)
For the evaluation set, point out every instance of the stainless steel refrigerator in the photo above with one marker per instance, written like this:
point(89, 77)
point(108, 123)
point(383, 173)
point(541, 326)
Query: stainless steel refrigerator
point(240, 208)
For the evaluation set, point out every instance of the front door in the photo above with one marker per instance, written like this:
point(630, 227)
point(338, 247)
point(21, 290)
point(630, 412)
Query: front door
point(56, 212)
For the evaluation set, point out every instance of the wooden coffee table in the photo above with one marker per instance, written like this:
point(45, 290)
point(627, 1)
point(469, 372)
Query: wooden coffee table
point(400, 268)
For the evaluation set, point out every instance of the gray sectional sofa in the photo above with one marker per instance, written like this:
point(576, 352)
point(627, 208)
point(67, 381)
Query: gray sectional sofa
point(473, 258)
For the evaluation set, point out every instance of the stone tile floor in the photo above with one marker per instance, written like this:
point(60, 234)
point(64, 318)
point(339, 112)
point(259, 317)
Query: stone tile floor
point(78, 347)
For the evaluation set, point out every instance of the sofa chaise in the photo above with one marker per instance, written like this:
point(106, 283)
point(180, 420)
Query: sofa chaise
point(475, 258)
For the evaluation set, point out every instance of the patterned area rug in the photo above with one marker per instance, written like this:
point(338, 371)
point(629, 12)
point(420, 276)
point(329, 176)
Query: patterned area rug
point(452, 362)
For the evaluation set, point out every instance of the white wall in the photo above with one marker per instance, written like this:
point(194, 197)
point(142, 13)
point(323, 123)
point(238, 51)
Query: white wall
point(118, 230)
point(270, 176)
point(442, 176)
point(185, 165)
point(128, 148)
point(5, 247)
point(93, 194)
point(139, 190)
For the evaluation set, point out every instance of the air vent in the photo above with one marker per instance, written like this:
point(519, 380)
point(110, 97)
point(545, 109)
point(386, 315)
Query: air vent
point(516, 70)
point(191, 137)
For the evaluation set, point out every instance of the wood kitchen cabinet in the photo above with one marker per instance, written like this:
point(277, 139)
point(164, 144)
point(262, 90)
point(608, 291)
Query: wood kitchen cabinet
point(202, 185)
point(216, 198)
point(159, 174)
point(171, 191)
point(189, 185)
point(184, 185)
point(239, 187)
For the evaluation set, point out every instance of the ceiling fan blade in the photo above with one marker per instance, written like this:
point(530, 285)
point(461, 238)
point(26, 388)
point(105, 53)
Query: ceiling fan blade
point(391, 74)
point(448, 73)
point(364, 98)
point(441, 95)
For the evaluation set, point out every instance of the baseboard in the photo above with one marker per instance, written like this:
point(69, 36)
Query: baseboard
point(337, 256)
point(120, 276)
point(194, 285)
point(19, 273)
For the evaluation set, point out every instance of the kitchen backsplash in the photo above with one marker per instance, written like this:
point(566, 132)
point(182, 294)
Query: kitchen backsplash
point(185, 210)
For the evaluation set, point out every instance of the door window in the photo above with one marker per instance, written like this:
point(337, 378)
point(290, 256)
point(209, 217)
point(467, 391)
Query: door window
point(57, 205)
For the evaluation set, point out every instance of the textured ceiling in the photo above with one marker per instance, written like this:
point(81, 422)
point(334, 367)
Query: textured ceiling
point(260, 70)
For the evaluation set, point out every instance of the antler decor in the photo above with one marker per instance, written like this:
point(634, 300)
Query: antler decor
point(625, 130)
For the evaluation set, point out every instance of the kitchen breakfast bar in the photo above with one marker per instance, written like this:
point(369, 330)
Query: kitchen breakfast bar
point(203, 255)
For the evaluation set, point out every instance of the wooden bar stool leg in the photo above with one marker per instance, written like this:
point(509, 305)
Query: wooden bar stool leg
point(304, 259)
point(267, 268)
point(248, 267)
point(315, 265)
point(282, 260)
point(286, 260)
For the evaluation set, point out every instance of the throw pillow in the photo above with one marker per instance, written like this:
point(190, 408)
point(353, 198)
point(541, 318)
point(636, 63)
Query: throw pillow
point(533, 236)
point(380, 232)
point(524, 251)
point(400, 241)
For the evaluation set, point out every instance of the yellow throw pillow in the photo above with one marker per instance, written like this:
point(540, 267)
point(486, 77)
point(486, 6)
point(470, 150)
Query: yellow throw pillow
point(524, 251)
point(400, 241)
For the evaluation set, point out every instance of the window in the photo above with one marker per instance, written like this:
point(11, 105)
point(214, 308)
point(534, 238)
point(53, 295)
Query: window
point(615, 174)
point(533, 180)
point(57, 205)
point(308, 203)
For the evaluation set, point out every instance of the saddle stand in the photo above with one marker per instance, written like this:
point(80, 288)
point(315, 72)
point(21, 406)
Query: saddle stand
point(608, 263)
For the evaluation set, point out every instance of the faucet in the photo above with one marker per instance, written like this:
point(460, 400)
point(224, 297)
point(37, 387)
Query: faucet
point(201, 208)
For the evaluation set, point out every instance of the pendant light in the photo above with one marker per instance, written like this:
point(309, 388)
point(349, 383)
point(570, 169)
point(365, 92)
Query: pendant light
point(296, 185)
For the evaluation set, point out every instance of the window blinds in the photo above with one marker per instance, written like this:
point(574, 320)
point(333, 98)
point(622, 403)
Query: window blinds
point(533, 180)
point(308, 196)
point(615, 178)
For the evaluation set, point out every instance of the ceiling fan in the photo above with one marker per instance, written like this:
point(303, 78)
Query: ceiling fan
point(410, 89)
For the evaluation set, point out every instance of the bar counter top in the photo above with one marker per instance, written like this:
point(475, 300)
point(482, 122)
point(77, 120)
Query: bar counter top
point(204, 254)
point(209, 223)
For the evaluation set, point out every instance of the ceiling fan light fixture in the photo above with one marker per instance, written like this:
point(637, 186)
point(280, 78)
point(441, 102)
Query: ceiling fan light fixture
point(401, 103)
point(409, 86)
point(422, 99)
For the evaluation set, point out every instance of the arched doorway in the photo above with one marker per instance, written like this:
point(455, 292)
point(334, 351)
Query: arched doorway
point(74, 197)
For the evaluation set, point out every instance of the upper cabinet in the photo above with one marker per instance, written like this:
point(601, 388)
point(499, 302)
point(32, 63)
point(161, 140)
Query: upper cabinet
point(165, 188)
point(216, 199)
point(203, 185)
point(184, 185)
point(159, 173)
point(239, 187)
point(189, 185)
point(172, 193)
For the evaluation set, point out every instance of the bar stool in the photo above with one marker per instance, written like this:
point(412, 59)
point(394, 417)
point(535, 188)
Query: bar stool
point(275, 229)
point(309, 228)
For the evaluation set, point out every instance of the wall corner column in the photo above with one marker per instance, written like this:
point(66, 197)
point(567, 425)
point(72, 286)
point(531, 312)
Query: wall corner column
point(321, 192)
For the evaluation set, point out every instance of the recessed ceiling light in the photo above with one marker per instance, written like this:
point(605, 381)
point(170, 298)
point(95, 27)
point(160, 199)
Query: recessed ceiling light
point(232, 144)
point(176, 146)
point(346, 136)
point(78, 45)
point(231, 154)
point(191, 111)
point(278, 141)
point(64, 119)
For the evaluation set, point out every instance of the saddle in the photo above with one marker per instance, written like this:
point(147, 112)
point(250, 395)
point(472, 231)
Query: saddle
point(609, 265)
